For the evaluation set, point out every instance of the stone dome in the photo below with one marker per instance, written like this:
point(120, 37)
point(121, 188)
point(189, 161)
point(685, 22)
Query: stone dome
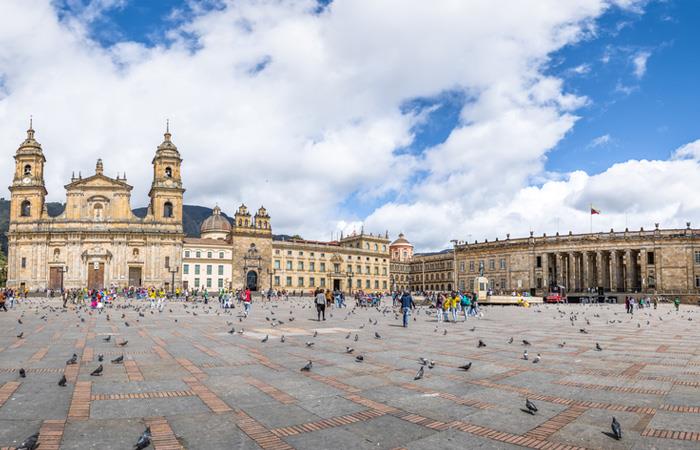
point(401, 240)
point(216, 223)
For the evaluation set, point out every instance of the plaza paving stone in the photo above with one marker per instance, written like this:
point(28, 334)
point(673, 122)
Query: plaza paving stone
point(200, 387)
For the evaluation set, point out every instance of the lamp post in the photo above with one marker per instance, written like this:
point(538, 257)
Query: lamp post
point(454, 263)
point(64, 270)
point(349, 283)
point(173, 271)
point(271, 272)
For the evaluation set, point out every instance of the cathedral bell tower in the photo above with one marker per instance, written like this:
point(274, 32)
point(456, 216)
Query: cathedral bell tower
point(166, 189)
point(28, 191)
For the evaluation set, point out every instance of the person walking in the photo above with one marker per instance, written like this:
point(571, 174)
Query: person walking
point(466, 304)
point(247, 300)
point(677, 303)
point(320, 300)
point(407, 305)
point(3, 298)
point(438, 307)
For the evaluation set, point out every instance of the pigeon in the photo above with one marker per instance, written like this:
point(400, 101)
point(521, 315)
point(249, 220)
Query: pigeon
point(349, 349)
point(144, 440)
point(526, 342)
point(423, 361)
point(307, 367)
point(231, 331)
point(562, 344)
point(525, 355)
point(19, 321)
point(616, 429)
point(22, 373)
point(31, 443)
point(72, 360)
point(100, 357)
point(376, 335)
point(472, 329)
point(510, 341)
point(127, 324)
point(265, 338)
point(108, 338)
point(309, 344)
point(62, 381)
point(122, 344)
point(531, 408)
point(444, 332)
point(282, 338)
point(431, 364)
point(537, 359)
point(359, 358)
point(357, 337)
point(97, 372)
point(118, 360)
point(419, 375)
point(481, 344)
point(466, 367)
point(20, 335)
point(598, 347)
point(348, 336)
point(583, 330)
point(315, 333)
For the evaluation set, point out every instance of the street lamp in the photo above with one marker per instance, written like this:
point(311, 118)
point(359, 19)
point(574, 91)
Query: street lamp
point(64, 270)
point(173, 271)
point(271, 272)
point(349, 283)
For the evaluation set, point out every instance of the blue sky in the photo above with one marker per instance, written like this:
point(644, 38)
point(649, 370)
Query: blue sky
point(643, 117)
point(659, 112)
point(441, 120)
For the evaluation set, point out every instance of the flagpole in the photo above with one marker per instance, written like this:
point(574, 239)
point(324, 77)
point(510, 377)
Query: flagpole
point(590, 212)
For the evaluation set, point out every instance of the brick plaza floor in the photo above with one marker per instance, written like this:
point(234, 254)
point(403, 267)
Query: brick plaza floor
point(199, 387)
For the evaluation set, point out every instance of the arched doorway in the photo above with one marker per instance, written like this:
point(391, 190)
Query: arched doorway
point(252, 280)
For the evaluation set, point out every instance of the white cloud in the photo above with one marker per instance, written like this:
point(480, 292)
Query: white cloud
point(322, 121)
point(640, 63)
point(599, 141)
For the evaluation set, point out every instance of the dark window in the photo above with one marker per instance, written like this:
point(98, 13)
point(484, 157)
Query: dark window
point(539, 262)
point(28, 169)
point(168, 172)
point(26, 209)
point(24, 262)
point(167, 262)
point(168, 209)
point(650, 257)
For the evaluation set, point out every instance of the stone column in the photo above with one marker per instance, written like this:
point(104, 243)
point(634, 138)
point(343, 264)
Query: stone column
point(559, 268)
point(546, 276)
point(571, 275)
point(600, 269)
point(643, 269)
point(585, 259)
point(630, 262)
point(614, 268)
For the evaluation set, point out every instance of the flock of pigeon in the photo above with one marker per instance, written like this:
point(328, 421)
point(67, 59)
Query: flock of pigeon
point(144, 440)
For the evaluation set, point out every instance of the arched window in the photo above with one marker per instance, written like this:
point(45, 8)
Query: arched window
point(135, 252)
point(168, 209)
point(26, 209)
point(28, 169)
point(168, 172)
point(56, 254)
point(240, 223)
point(98, 212)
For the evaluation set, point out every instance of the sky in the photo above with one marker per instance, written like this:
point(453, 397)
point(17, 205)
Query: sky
point(447, 119)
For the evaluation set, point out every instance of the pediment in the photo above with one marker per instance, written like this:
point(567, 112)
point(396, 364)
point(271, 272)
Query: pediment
point(98, 181)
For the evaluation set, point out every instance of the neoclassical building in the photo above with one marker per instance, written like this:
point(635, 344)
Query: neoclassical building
point(97, 241)
point(658, 261)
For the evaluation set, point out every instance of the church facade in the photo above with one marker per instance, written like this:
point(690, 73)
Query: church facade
point(97, 241)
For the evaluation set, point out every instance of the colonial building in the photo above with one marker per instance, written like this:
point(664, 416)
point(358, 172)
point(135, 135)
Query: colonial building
point(244, 253)
point(96, 241)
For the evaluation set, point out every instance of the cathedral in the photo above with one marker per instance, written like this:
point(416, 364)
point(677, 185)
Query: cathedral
point(96, 241)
